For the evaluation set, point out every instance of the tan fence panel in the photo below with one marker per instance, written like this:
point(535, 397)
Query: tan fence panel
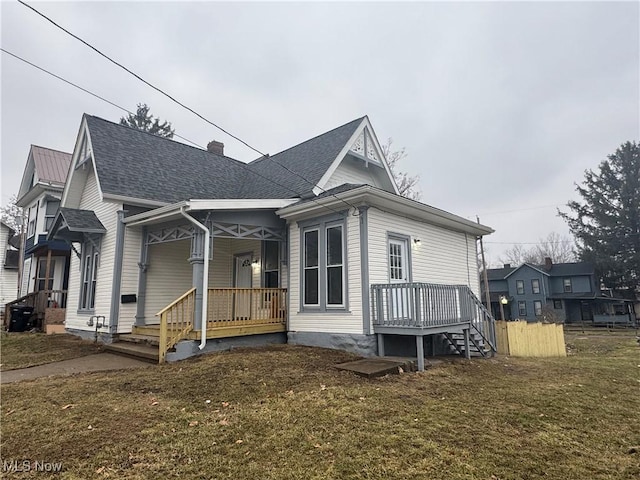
point(524, 339)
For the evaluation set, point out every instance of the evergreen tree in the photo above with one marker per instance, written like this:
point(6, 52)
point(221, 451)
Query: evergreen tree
point(143, 120)
point(606, 223)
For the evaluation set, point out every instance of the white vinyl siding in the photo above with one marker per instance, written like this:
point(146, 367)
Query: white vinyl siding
point(221, 267)
point(329, 321)
point(354, 171)
point(107, 214)
point(442, 256)
point(169, 275)
point(8, 278)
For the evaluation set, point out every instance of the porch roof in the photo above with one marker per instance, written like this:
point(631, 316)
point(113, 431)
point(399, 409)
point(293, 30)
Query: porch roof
point(173, 212)
point(71, 224)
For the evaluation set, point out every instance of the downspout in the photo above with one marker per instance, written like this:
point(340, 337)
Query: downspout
point(205, 277)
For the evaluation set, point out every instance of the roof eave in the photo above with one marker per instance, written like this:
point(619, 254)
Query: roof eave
point(370, 196)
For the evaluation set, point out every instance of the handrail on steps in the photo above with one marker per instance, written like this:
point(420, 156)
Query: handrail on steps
point(172, 330)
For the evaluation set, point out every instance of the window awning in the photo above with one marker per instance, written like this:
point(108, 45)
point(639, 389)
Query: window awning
point(72, 225)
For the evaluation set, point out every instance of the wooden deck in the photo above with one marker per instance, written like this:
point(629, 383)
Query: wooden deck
point(217, 332)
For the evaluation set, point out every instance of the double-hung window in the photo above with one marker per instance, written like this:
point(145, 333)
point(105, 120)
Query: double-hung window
point(90, 263)
point(537, 307)
point(535, 285)
point(323, 266)
point(520, 287)
point(566, 283)
point(522, 309)
point(271, 255)
point(50, 213)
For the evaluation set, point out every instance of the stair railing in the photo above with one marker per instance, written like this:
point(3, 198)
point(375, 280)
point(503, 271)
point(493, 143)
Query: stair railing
point(176, 322)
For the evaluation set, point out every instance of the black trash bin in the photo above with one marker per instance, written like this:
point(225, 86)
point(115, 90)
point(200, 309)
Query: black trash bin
point(20, 318)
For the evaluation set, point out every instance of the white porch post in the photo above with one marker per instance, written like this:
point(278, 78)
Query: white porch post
point(197, 264)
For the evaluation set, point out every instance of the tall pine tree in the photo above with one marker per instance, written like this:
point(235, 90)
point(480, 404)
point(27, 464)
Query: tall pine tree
point(606, 223)
point(143, 120)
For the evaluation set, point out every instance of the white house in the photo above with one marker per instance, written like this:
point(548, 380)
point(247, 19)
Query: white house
point(8, 265)
point(312, 246)
point(45, 262)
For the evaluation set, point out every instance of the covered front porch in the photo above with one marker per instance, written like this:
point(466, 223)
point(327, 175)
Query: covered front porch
point(210, 274)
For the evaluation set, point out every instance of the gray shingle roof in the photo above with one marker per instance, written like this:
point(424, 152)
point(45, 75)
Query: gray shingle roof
point(136, 164)
point(81, 220)
point(557, 270)
point(309, 159)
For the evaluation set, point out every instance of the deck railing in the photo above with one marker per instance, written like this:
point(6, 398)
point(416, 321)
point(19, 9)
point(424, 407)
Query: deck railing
point(428, 305)
point(230, 307)
point(176, 321)
point(39, 301)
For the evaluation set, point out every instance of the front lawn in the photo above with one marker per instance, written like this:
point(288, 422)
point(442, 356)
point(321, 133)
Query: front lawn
point(284, 412)
point(21, 350)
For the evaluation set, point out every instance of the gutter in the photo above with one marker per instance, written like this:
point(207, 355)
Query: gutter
point(205, 277)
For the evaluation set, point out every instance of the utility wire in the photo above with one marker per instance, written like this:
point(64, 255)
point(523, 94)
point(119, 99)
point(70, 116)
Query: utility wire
point(83, 89)
point(140, 78)
point(180, 103)
point(297, 194)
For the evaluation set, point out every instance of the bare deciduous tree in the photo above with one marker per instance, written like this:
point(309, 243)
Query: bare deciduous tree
point(557, 247)
point(407, 184)
point(11, 215)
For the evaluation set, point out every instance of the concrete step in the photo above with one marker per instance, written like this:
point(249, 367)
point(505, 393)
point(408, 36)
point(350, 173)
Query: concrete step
point(139, 339)
point(135, 350)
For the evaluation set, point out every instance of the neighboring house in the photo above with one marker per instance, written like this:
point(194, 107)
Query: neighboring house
point(312, 245)
point(45, 267)
point(8, 265)
point(564, 292)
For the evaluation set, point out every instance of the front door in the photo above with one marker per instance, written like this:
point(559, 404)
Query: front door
point(399, 274)
point(243, 280)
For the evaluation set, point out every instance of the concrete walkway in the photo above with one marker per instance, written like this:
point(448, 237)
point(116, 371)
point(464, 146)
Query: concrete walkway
point(100, 362)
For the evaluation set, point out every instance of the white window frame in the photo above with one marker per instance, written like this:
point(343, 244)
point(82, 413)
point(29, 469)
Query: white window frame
point(48, 218)
point(518, 284)
point(537, 308)
point(522, 307)
point(535, 285)
point(89, 265)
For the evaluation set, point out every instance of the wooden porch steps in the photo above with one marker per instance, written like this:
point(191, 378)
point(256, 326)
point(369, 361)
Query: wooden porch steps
point(144, 347)
point(142, 351)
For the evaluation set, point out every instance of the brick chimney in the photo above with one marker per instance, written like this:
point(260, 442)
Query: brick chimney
point(216, 147)
point(507, 265)
point(548, 263)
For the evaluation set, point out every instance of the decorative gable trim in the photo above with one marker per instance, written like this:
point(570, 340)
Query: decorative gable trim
point(363, 144)
point(82, 157)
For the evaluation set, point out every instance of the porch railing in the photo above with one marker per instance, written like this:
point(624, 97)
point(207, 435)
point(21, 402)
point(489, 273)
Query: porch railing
point(39, 301)
point(176, 321)
point(229, 307)
point(429, 305)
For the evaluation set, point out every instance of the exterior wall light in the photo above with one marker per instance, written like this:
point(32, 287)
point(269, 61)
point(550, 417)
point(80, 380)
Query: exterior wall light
point(417, 242)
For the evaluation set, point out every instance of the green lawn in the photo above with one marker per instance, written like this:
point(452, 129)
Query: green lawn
point(20, 350)
point(284, 412)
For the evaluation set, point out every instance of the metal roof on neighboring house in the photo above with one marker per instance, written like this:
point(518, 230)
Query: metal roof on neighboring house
point(51, 165)
point(137, 164)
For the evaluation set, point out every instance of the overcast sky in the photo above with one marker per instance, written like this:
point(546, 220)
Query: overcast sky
point(500, 106)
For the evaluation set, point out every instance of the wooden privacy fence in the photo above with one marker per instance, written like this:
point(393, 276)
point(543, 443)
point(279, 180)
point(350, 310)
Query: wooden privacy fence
point(524, 339)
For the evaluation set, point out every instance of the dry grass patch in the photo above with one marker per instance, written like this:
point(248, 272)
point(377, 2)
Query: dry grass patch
point(284, 412)
point(21, 350)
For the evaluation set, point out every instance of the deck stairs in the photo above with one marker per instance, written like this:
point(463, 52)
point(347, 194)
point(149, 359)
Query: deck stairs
point(477, 344)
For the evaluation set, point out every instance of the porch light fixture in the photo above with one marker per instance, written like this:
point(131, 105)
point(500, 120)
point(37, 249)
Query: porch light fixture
point(255, 262)
point(504, 300)
point(417, 242)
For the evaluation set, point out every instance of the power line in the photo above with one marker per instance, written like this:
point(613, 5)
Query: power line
point(179, 103)
point(244, 165)
point(82, 88)
point(140, 78)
